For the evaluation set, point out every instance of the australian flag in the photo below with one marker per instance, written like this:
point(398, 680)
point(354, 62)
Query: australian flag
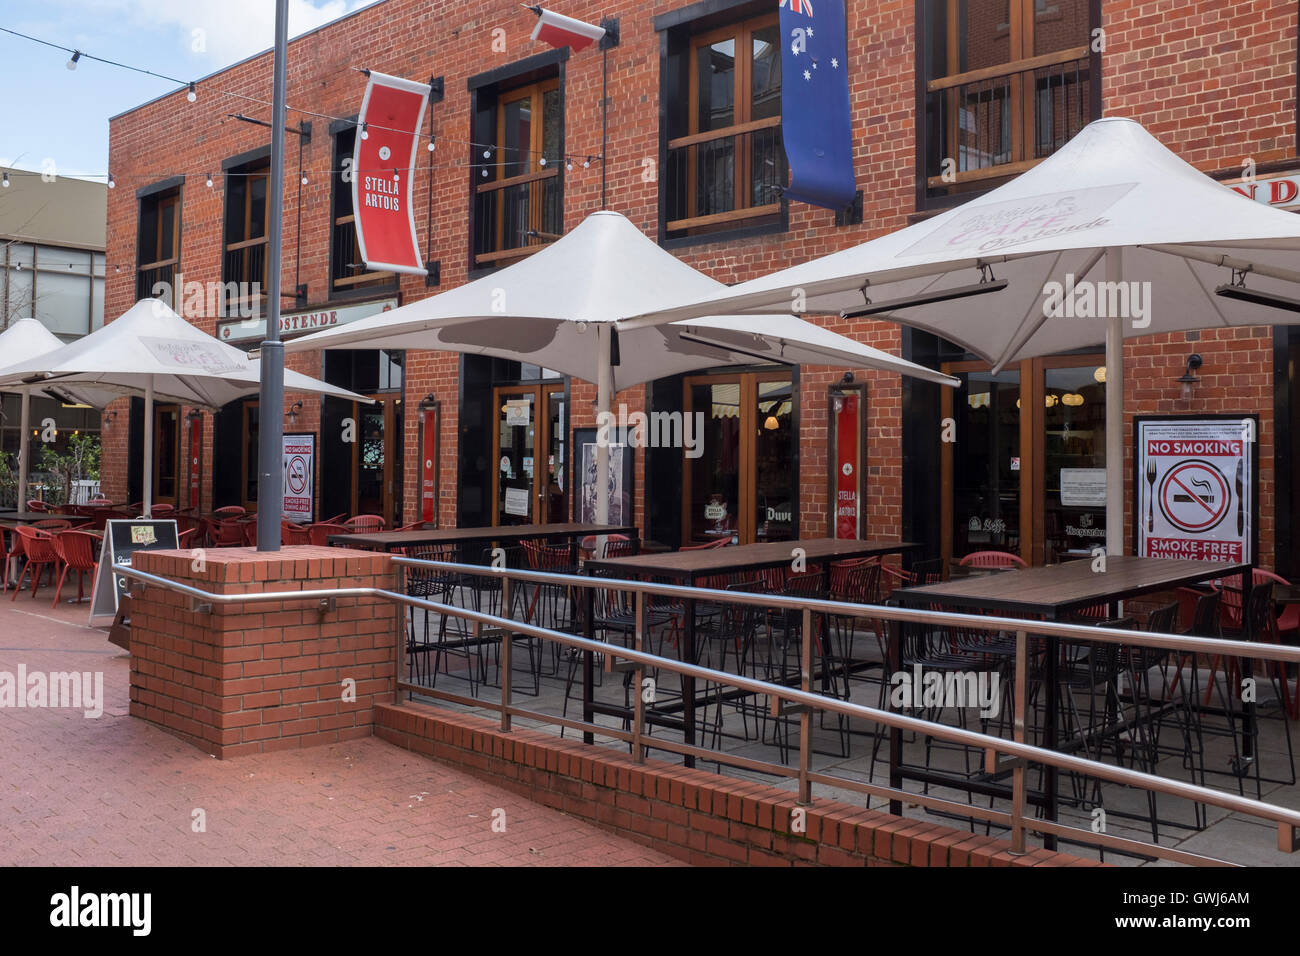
point(815, 117)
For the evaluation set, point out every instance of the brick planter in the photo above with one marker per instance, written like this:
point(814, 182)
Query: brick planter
point(249, 677)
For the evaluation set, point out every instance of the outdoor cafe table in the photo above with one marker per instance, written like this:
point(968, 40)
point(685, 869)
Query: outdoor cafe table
point(27, 517)
point(1053, 593)
point(392, 540)
point(688, 567)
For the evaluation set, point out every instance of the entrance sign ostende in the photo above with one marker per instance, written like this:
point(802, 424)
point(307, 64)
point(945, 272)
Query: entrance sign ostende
point(1194, 485)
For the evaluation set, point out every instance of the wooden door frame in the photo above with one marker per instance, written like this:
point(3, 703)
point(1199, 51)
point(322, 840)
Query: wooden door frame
point(540, 392)
point(747, 478)
point(174, 498)
point(1033, 474)
point(389, 401)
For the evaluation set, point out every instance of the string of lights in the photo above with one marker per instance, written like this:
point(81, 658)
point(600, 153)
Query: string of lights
point(192, 95)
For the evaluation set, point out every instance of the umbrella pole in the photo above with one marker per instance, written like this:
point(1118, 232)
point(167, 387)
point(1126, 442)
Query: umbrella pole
point(23, 444)
point(604, 391)
point(1114, 415)
point(148, 447)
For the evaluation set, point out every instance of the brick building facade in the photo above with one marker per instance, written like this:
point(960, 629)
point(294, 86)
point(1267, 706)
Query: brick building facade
point(1214, 82)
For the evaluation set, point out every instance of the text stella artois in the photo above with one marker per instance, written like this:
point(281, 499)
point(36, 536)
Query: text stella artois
point(382, 193)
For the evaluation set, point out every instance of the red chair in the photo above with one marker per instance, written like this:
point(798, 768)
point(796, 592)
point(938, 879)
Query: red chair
point(992, 559)
point(226, 534)
point(707, 546)
point(162, 508)
point(365, 523)
point(76, 549)
point(186, 537)
point(35, 504)
point(231, 511)
point(319, 531)
point(291, 534)
point(413, 526)
point(52, 524)
point(39, 547)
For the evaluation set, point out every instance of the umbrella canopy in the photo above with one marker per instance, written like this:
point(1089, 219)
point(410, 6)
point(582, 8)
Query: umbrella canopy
point(152, 351)
point(1113, 216)
point(556, 308)
point(23, 341)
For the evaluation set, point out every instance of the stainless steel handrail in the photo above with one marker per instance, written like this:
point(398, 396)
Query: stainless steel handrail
point(1286, 818)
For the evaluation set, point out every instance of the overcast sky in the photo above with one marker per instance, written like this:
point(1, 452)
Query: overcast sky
point(50, 112)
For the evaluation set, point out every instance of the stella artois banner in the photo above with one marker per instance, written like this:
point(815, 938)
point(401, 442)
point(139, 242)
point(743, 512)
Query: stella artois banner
point(383, 167)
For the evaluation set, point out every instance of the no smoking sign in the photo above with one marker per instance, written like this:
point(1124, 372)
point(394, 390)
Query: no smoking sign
point(1194, 496)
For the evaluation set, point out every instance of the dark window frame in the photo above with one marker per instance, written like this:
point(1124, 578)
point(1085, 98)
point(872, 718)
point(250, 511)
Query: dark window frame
point(926, 200)
point(365, 284)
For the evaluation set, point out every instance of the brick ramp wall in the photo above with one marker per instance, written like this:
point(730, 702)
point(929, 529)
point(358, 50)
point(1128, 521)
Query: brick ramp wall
point(700, 817)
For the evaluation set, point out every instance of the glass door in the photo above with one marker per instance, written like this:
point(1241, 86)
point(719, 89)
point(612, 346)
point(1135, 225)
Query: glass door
point(1074, 460)
point(530, 455)
point(166, 454)
point(744, 486)
point(374, 458)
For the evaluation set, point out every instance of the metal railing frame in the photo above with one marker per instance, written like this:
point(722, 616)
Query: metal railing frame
point(802, 700)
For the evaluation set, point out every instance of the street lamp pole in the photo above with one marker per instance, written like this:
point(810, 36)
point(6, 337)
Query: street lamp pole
point(270, 476)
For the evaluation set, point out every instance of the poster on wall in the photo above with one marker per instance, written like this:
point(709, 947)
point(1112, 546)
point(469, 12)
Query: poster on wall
point(299, 476)
point(618, 480)
point(848, 407)
point(1195, 494)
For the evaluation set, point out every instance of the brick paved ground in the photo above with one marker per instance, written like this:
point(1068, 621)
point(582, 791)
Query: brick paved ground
point(117, 791)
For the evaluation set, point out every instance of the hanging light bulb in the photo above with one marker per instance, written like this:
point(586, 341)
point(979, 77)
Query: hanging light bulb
point(5, 182)
point(432, 144)
point(568, 164)
point(112, 184)
point(365, 134)
point(586, 163)
point(191, 95)
point(487, 154)
point(542, 161)
point(397, 177)
point(117, 268)
point(304, 179)
point(72, 63)
point(209, 175)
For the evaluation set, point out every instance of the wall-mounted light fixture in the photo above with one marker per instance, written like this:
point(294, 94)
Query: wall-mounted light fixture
point(1187, 379)
point(294, 411)
point(109, 418)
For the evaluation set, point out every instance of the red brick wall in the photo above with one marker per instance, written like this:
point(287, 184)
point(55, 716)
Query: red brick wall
point(694, 815)
point(255, 677)
point(1214, 81)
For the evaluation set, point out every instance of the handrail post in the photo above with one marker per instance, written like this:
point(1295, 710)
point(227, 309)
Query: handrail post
point(507, 656)
point(805, 714)
point(588, 664)
point(638, 702)
point(1018, 734)
point(399, 651)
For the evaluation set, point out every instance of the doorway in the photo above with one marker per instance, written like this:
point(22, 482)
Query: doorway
point(530, 455)
point(375, 458)
point(166, 454)
point(1025, 471)
point(745, 485)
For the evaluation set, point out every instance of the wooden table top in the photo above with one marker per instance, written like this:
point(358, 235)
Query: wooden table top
point(26, 516)
point(1058, 589)
point(388, 540)
point(685, 565)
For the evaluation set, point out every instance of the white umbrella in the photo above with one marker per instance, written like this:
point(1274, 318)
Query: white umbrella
point(558, 309)
point(23, 341)
point(150, 350)
point(1112, 192)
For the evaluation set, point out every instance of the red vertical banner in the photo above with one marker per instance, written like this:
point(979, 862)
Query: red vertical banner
point(428, 464)
point(196, 460)
point(848, 428)
point(383, 169)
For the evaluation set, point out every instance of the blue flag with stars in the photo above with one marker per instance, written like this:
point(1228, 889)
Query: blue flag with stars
point(815, 117)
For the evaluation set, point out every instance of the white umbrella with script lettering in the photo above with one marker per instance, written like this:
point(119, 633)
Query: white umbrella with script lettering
point(152, 351)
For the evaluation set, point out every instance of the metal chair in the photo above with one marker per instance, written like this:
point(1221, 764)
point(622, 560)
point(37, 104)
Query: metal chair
point(365, 523)
point(992, 559)
point(38, 546)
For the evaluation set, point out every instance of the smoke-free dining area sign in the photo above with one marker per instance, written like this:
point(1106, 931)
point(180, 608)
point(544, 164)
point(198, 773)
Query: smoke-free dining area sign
point(1195, 487)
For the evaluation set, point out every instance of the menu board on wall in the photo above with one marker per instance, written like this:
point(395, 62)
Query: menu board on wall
point(1195, 487)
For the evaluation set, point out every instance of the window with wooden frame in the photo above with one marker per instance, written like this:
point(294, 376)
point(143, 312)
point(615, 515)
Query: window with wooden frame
point(245, 237)
point(724, 170)
point(519, 171)
point(158, 244)
point(1004, 84)
point(348, 274)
